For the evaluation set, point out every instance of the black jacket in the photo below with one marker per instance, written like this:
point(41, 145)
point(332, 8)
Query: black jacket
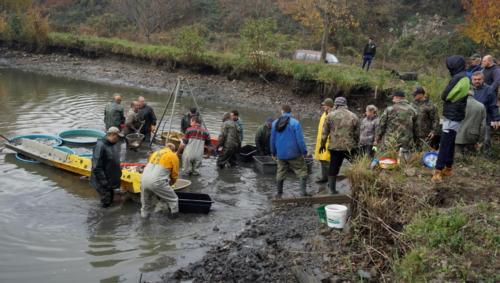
point(492, 77)
point(106, 171)
point(454, 111)
point(370, 49)
point(147, 115)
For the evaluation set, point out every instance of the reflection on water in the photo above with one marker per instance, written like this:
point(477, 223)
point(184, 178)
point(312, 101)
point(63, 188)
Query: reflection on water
point(52, 227)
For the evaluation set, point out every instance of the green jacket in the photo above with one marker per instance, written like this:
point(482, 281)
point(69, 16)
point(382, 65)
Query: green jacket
point(473, 126)
point(113, 115)
point(230, 135)
point(427, 118)
point(343, 128)
point(397, 126)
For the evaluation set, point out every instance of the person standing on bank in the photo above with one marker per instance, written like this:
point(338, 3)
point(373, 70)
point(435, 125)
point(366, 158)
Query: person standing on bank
point(455, 103)
point(324, 157)
point(342, 126)
point(485, 94)
point(491, 72)
point(158, 179)
point(106, 172)
point(472, 128)
point(368, 127)
point(289, 149)
point(369, 53)
point(114, 113)
point(427, 118)
point(146, 115)
point(263, 138)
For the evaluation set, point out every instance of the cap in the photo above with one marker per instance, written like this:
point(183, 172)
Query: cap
point(475, 56)
point(328, 102)
point(340, 101)
point(113, 130)
point(399, 94)
point(269, 120)
point(419, 90)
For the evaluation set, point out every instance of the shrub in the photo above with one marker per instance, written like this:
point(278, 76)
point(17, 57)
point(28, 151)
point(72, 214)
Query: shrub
point(190, 42)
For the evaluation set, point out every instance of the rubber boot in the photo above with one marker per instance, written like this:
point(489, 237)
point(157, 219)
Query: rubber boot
point(279, 185)
point(447, 172)
point(437, 177)
point(303, 185)
point(324, 175)
point(332, 184)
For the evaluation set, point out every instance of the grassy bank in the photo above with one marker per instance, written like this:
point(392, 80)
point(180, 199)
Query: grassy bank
point(337, 79)
point(410, 230)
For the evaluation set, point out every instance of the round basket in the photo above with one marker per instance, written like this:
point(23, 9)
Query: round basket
point(81, 136)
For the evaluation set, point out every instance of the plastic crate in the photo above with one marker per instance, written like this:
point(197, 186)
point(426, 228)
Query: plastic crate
point(194, 203)
point(265, 164)
point(247, 153)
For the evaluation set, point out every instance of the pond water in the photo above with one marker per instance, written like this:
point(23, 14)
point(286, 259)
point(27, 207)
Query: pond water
point(52, 228)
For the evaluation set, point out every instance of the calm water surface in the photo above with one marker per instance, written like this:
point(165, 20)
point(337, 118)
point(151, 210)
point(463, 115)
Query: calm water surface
point(52, 229)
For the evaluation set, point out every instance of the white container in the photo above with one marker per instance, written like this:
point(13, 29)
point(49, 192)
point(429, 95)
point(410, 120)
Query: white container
point(336, 215)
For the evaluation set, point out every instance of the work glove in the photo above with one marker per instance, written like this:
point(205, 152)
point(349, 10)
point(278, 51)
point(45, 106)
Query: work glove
point(322, 149)
point(375, 148)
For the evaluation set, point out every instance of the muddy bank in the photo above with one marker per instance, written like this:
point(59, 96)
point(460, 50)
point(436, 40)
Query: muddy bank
point(281, 246)
point(254, 93)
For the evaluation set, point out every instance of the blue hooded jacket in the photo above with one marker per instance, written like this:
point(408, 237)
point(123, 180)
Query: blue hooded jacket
point(287, 139)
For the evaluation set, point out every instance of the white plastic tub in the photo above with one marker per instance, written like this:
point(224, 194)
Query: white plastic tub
point(336, 215)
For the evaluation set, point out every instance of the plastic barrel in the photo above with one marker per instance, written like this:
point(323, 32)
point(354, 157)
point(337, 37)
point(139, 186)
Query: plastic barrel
point(336, 215)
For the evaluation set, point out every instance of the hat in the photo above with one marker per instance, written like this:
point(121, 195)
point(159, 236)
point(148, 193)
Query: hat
point(113, 130)
point(270, 120)
point(419, 90)
point(328, 102)
point(399, 94)
point(340, 101)
point(475, 56)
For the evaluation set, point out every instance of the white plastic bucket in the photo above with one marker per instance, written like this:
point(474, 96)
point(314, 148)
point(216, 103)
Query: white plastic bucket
point(336, 215)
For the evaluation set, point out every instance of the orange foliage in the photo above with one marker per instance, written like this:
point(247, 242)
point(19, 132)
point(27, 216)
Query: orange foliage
point(483, 22)
point(313, 13)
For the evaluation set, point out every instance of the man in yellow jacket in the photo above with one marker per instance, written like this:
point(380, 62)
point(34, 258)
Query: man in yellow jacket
point(159, 175)
point(323, 158)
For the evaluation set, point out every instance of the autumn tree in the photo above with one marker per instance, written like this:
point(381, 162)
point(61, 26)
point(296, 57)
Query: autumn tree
point(150, 16)
point(483, 22)
point(321, 16)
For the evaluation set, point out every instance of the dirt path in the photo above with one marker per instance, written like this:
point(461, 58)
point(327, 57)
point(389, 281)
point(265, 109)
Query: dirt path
point(123, 72)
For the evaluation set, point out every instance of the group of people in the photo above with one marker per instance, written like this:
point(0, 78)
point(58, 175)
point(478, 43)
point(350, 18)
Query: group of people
point(469, 112)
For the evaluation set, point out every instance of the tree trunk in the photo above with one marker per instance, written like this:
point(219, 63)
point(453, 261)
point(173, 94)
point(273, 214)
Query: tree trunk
point(324, 38)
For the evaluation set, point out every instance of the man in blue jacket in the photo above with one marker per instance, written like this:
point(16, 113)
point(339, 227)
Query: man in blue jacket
point(486, 95)
point(289, 149)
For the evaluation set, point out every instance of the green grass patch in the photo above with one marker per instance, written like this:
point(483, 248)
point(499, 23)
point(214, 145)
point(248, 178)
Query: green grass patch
point(346, 78)
point(456, 245)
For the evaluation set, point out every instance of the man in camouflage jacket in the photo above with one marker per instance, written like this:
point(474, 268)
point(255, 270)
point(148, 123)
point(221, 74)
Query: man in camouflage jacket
point(398, 124)
point(343, 128)
point(229, 142)
point(427, 117)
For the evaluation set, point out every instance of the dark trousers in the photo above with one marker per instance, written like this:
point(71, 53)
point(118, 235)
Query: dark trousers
point(228, 156)
point(367, 149)
point(367, 60)
point(336, 159)
point(446, 150)
point(107, 196)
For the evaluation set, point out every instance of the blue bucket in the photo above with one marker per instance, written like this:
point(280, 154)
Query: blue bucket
point(429, 159)
point(57, 141)
point(82, 137)
point(65, 149)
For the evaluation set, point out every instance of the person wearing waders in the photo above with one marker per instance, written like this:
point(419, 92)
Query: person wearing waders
point(263, 138)
point(194, 142)
point(342, 127)
point(106, 171)
point(229, 142)
point(186, 119)
point(289, 150)
point(158, 178)
point(454, 97)
point(324, 157)
point(114, 113)
point(147, 116)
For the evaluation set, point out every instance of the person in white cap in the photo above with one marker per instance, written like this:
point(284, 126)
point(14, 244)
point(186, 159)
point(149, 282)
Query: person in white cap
point(106, 172)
